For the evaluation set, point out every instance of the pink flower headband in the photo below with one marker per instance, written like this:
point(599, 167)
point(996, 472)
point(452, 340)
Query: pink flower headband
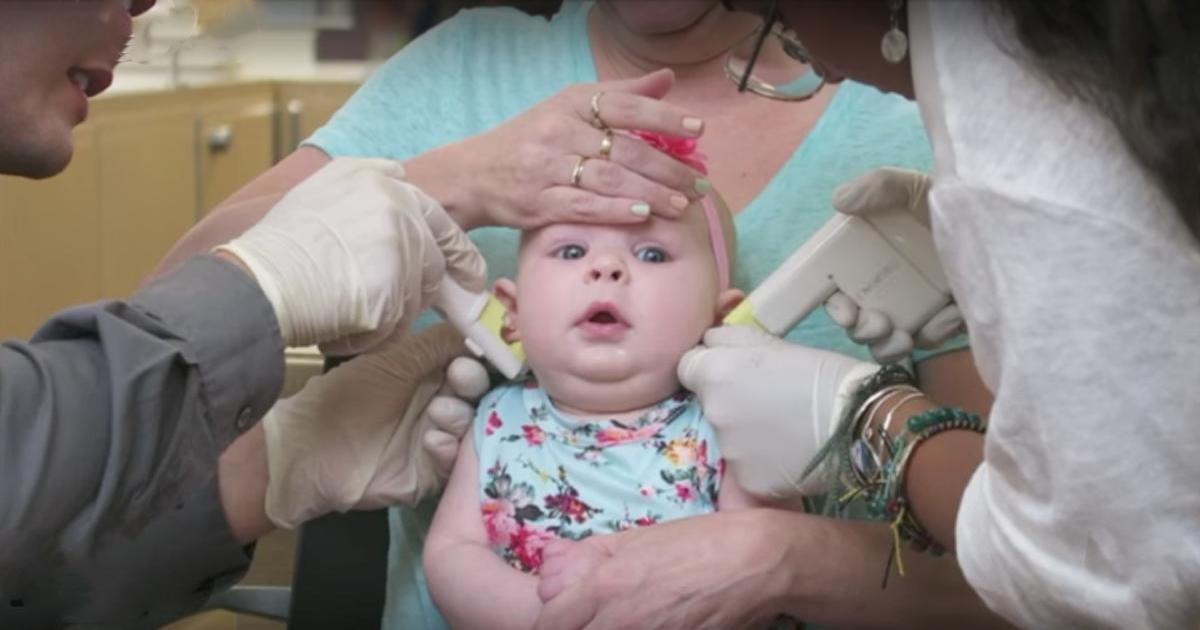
point(684, 150)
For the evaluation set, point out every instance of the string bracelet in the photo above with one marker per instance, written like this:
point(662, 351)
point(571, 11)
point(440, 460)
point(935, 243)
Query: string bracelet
point(888, 500)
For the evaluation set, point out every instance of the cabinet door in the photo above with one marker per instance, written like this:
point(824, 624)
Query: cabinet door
point(49, 254)
point(234, 144)
point(148, 198)
point(304, 107)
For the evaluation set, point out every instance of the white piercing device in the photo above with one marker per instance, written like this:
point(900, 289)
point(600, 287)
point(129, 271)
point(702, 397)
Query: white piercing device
point(885, 262)
point(480, 318)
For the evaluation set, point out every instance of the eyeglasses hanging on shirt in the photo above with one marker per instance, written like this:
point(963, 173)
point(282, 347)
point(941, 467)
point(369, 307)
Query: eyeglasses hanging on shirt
point(772, 62)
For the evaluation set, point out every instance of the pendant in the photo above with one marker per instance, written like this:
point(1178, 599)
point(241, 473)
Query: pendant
point(894, 46)
point(863, 461)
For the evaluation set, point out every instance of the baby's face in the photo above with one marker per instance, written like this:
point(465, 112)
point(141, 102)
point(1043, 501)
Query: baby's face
point(605, 312)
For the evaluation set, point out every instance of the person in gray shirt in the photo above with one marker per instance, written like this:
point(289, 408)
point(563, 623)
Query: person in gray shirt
point(135, 473)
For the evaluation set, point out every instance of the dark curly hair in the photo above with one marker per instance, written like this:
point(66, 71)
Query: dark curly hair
point(1137, 61)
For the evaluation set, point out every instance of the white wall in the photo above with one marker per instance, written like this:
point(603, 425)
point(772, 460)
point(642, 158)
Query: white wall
point(288, 54)
point(275, 41)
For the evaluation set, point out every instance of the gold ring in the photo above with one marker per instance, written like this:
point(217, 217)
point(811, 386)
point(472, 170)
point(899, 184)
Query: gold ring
point(606, 144)
point(577, 172)
point(597, 121)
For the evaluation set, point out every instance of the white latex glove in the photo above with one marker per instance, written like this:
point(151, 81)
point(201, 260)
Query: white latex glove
point(353, 254)
point(876, 191)
point(449, 414)
point(772, 403)
point(354, 438)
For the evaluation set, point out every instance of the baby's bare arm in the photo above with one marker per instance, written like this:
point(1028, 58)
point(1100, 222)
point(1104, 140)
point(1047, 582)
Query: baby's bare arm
point(733, 497)
point(470, 584)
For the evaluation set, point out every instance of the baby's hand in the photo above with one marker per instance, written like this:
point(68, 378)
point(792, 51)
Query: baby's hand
point(565, 561)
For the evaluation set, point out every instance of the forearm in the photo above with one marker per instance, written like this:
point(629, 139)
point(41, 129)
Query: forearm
point(941, 466)
point(242, 473)
point(243, 209)
point(474, 588)
point(447, 174)
point(937, 476)
point(953, 380)
point(938, 469)
point(836, 569)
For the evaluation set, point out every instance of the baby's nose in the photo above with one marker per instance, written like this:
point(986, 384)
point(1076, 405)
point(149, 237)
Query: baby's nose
point(607, 268)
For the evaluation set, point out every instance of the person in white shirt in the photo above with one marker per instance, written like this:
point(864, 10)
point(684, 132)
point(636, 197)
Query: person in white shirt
point(1065, 205)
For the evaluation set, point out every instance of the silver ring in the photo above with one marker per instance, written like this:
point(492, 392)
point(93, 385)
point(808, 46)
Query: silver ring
point(606, 144)
point(577, 172)
point(597, 121)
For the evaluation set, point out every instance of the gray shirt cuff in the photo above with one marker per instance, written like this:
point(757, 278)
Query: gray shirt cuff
point(231, 334)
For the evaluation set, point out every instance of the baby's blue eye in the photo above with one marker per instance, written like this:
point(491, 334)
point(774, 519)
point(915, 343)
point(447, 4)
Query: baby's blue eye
point(652, 255)
point(570, 252)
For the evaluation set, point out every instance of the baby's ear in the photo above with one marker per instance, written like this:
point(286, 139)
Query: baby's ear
point(727, 300)
point(505, 290)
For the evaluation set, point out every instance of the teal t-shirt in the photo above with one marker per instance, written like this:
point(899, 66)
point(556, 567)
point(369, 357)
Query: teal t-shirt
point(485, 66)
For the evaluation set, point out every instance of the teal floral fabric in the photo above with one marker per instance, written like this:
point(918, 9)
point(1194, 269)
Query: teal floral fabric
point(543, 475)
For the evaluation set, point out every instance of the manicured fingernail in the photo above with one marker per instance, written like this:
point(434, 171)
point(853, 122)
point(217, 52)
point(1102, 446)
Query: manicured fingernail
point(640, 209)
point(702, 186)
point(679, 201)
point(692, 123)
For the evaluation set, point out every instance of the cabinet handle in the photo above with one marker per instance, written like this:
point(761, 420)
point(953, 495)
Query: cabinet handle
point(220, 138)
point(295, 109)
point(198, 156)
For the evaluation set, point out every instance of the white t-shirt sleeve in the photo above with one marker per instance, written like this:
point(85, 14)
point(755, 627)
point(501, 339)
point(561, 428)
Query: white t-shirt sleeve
point(1086, 511)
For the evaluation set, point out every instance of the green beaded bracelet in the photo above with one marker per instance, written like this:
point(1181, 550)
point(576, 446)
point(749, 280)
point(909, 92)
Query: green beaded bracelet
point(887, 500)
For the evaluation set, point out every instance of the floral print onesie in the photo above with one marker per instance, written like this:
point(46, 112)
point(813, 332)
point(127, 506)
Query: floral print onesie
point(544, 475)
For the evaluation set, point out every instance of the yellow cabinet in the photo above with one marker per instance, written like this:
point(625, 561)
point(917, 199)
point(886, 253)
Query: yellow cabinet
point(49, 253)
point(235, 142)
point(303, 108)
point(146, 167)
point(146, 200)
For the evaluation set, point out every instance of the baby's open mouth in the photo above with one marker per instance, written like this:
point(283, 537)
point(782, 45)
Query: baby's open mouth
point(603, 314)
point(603, 317)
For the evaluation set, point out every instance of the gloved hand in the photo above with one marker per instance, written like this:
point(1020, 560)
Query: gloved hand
point(354, 253)
point(449, 414)
point(772, 403)
point(877, 191)
point(354, 438)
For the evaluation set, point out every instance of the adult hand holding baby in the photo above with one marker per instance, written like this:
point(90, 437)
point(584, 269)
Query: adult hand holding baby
point(722, 570)
point(772, 403)
point(567, 160)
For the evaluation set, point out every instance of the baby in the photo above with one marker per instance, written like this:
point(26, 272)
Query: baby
point(600, 438)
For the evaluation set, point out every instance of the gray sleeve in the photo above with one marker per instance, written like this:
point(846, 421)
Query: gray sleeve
point(111, 422)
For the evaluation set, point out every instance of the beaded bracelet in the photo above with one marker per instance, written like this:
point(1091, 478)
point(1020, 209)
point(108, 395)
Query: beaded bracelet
point(887, 500)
